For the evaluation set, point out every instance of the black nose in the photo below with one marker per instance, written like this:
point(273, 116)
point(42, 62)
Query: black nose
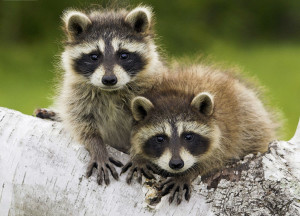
point(176, 164)
point(109, 80)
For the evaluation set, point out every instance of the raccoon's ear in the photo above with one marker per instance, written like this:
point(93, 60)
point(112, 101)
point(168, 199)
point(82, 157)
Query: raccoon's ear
point(204, 103)
point(139, 19)
point(76, 23)
point(140, 107)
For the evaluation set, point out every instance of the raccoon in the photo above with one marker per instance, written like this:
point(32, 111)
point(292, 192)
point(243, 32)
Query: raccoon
point(194, 122)
point(109, 57)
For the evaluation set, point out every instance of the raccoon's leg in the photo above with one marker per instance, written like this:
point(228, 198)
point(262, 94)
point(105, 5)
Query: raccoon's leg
point(175, 186)
point(47, 114)
point(100, 160)
point(142, 167)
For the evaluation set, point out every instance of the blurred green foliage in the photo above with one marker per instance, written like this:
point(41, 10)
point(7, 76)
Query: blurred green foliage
point(262, 37)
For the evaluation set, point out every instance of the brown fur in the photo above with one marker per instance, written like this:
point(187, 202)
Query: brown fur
point(97, 117)
point(240, 124)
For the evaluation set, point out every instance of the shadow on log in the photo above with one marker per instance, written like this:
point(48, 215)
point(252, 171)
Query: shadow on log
point(42, 173)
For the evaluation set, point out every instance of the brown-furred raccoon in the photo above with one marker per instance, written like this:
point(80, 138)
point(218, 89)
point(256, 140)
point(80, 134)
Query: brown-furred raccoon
point(109, 57)
point(194, 122)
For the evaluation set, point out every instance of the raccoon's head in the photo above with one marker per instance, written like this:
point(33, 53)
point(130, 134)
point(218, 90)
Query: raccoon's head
point(177, 135)
point(109, 49)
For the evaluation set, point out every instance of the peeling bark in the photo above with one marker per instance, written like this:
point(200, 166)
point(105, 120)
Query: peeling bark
point(42, 173)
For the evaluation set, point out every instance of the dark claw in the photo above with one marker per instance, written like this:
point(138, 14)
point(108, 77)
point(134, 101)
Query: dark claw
point(171, 198)
point(100, 177)
point(175, 186)
point(147, 174)
point(152, 168)
point(139, 173)
point(167, 188)
point(139, 166)
point(104, 168)
point(115, 162)
point(187, 192)
point(106, 176)
point(126, 167)
point(179, 195)
point(165, 183)
point(130, 175)
point(113, 171)
point(90, 169)
point(172, 194)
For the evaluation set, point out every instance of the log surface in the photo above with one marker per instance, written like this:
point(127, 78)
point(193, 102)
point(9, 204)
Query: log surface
point(42, 173)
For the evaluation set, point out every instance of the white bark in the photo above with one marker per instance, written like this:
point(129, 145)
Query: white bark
point(42, 173)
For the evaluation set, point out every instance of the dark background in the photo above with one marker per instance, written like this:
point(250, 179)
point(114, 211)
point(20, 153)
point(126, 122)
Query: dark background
point(261, 37)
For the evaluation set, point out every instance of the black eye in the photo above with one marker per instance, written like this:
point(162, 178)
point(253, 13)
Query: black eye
point(160, 139)
point(189, 137)
point(124, 56)
point(94, 57)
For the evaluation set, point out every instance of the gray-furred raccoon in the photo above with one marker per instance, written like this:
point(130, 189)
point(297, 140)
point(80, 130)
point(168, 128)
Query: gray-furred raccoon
point(192, 123)
point(110, 56)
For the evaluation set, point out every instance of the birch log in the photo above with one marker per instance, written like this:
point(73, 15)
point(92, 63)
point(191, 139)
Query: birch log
point(42, 173)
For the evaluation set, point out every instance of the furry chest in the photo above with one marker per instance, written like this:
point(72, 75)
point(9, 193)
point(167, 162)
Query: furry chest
point(115, 124)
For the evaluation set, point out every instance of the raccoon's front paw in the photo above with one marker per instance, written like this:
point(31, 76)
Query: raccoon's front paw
point(104, 166)
point(141, 167)
point(46, 114)
point(175, 186)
